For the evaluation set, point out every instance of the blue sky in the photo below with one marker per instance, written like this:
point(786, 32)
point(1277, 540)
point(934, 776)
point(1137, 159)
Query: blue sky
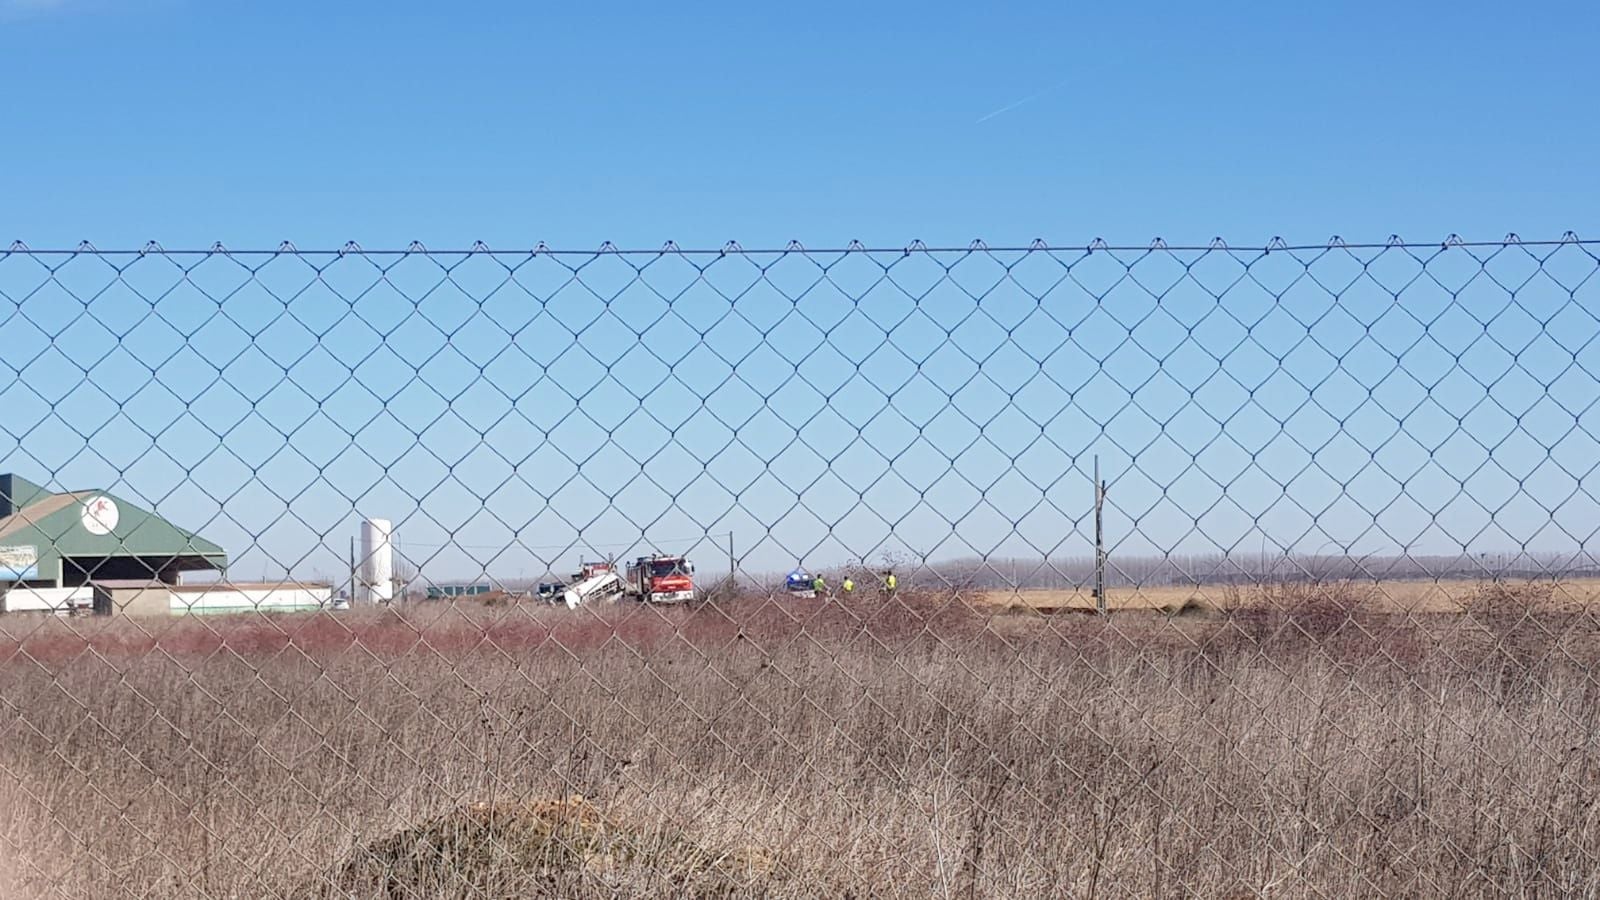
point(190, 123)
point(187, 122)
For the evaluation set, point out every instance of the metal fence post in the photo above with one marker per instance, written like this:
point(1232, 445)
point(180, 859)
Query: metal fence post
point(1099, 541)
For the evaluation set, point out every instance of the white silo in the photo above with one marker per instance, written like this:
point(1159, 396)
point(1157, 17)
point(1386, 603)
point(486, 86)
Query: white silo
point(377, 560)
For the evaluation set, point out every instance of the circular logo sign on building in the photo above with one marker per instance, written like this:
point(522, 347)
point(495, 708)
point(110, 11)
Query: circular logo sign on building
point(100, 515)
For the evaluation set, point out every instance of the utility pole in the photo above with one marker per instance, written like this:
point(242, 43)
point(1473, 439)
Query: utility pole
point(1099, 541)
point(353, 598)
point(732, 565)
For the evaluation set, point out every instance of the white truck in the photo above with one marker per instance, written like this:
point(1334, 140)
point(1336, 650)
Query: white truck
point(594, 581)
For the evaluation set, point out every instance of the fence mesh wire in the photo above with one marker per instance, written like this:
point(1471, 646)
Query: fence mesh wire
point(871, 627)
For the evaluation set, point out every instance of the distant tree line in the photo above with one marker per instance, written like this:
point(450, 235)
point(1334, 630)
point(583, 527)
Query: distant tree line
point(1175, 570)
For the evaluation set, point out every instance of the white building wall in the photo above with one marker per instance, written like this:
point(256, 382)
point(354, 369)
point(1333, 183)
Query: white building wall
point(229, 599)
point(31, 599)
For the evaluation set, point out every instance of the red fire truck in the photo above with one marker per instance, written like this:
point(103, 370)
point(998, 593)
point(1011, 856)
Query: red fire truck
point(661, 579)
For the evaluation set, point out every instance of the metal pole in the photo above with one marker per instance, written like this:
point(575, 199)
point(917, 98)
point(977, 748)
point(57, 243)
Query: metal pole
point(1099, 541)
point(732, 570)
point(353, 598)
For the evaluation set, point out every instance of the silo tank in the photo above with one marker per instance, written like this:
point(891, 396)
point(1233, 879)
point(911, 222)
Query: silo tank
point(377, 560)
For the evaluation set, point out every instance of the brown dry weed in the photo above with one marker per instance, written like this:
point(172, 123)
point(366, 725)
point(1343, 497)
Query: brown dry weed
point(912, 747)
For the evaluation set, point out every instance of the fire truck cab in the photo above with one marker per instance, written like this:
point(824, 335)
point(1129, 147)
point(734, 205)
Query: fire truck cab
point(661, 579)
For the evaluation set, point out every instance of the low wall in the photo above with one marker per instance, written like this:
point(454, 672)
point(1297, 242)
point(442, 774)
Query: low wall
point(212, 599)
point(32, 599)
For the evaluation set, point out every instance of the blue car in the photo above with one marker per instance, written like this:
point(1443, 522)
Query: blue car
point(800, 584)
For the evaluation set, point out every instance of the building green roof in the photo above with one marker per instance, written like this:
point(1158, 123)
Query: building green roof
point(54, 527)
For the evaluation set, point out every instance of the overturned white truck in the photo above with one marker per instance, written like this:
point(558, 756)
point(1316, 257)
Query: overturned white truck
point(594, 581)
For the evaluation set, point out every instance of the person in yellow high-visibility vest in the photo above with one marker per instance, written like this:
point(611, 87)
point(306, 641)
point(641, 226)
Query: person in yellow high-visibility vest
point(849, 586)
point(889, 582)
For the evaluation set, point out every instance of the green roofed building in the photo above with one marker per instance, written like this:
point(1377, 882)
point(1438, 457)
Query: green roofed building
point(69, 539)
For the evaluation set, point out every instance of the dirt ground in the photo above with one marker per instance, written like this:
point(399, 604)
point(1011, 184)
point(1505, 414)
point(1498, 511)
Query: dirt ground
point(1420, 596)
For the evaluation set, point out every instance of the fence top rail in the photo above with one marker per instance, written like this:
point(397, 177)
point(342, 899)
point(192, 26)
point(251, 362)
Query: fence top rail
point(351, 248)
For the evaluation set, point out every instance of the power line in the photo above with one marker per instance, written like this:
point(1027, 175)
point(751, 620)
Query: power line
point(616, 545)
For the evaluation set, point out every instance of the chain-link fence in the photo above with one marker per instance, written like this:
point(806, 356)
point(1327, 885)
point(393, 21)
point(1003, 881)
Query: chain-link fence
point(1003, 572)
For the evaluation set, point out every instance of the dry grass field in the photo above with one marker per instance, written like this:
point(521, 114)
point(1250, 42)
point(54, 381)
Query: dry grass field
point(1417, 596)
point(1306, 742)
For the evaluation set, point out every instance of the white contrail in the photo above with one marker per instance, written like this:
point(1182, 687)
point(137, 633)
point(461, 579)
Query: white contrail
point(1025, 100)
